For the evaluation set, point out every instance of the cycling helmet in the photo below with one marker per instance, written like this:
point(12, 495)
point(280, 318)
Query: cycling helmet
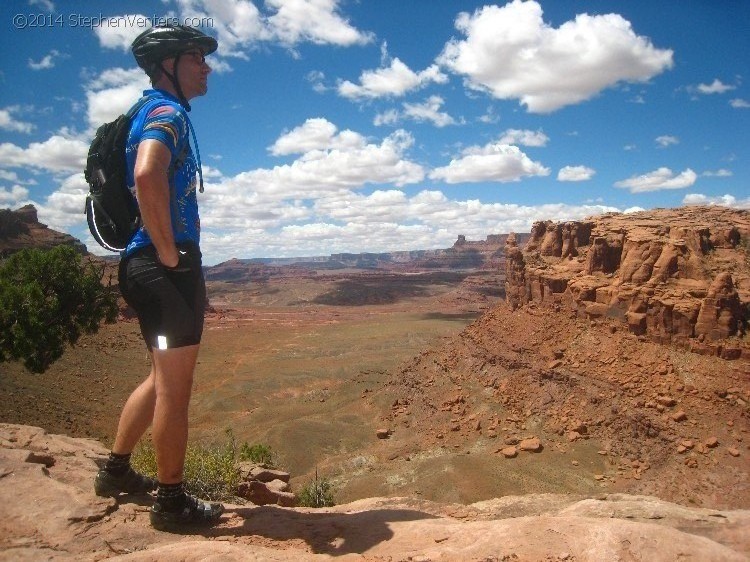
point(161, 42)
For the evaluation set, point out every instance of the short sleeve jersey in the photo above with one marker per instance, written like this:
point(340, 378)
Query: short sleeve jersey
point(164, 119)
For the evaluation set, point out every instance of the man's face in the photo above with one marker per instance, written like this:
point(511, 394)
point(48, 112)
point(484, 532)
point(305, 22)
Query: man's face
point(192, 72)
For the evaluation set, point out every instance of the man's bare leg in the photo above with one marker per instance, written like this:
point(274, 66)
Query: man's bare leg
point(174, 508)
point(173, 369)
point(117, 476)
point(136, 416)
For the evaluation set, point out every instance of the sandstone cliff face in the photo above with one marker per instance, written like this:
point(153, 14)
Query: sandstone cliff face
point(672, 275)
point(21, 229)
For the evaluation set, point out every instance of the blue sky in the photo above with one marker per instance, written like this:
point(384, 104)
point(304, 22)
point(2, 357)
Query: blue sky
point(353, 126)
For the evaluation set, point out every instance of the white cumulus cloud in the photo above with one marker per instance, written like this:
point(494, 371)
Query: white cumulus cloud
point(239, 25)
point(720, 173)
point(44, 4)
point(524, 137)
point(10, 123)
point(56, 154)
point(118, 32)
point(316, 134)
point(316, 21)
point(14, 197)
point(64, 206)
point(385, 220)
point(388, 117)
point(575, 173)
point(329, 165)
point(428, 111)
point(394, 80)
point(113, 92)
point(662, 178)
point(46, 62)
point(511, 53)
point(723, 200)
point(715, 87)
point(492, 162)
point(666, 140)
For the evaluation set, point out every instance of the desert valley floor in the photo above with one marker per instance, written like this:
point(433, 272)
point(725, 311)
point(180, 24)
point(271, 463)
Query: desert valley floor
point(316, 382)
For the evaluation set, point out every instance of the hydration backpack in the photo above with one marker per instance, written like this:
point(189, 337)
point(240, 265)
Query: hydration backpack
point(111, 210)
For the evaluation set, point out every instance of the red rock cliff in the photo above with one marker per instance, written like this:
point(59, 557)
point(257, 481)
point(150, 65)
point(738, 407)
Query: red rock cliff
point(673, 275)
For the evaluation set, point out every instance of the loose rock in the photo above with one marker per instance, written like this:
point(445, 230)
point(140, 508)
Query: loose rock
point(533, 445)
point(679, 416)
point(509, 452)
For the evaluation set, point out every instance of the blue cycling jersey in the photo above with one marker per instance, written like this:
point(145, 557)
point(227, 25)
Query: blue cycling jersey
point(164, 119)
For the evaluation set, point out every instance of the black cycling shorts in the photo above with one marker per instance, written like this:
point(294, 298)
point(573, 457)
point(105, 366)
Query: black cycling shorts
point(170, 305)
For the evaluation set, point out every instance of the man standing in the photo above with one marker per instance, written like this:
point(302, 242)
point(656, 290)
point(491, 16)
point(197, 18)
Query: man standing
point(160, 274)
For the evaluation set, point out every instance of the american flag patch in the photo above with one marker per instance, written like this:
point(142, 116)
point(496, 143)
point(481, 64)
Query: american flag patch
point(161, 111)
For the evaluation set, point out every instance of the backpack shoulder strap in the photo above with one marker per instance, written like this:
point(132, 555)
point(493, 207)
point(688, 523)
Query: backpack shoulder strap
point(180, 160)
point(137, 106)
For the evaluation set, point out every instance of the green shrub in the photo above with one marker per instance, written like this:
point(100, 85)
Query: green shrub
point(317, 493)
point(48, 298)
point(211, 471)
point(258, 453)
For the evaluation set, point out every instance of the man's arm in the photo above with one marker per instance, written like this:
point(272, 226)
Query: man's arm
point(152, 190)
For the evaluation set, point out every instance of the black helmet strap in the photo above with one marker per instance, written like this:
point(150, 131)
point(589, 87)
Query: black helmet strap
point(174, 78)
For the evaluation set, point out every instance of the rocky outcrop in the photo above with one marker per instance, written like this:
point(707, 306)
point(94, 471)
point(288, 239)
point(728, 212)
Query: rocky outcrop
point(720, 315)
point(48, 511)
point(515, 273)
point(672, 275)
point(21, 229)
point(265, 486)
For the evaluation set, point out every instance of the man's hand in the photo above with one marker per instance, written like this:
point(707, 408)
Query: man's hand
point(183, 265)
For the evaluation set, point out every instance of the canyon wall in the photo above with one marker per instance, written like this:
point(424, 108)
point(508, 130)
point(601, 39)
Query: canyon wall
point(672, 275)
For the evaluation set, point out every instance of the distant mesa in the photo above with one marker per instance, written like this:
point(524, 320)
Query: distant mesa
point(21, 229)
point(464, 255)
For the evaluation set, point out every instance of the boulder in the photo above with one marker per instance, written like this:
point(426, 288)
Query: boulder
point(509, 452)
point(261, 493)
point(532, 445)
point(253, 471)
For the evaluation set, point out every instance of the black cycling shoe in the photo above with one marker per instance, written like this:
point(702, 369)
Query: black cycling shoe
point(196, 513)
point(132, 482)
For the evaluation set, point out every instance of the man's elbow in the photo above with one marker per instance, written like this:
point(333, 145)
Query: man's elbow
point(147, 175)
point(149, 183)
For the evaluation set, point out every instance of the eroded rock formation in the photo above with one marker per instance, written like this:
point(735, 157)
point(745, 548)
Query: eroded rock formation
point(673, 275)
point(21, 229)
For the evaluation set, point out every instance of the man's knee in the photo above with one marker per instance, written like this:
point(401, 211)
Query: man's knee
point(174, 369)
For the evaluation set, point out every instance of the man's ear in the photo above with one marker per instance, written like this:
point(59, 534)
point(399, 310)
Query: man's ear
point(168, 65)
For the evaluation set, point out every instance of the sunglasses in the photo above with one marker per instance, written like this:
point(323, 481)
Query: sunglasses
point(197, 56)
